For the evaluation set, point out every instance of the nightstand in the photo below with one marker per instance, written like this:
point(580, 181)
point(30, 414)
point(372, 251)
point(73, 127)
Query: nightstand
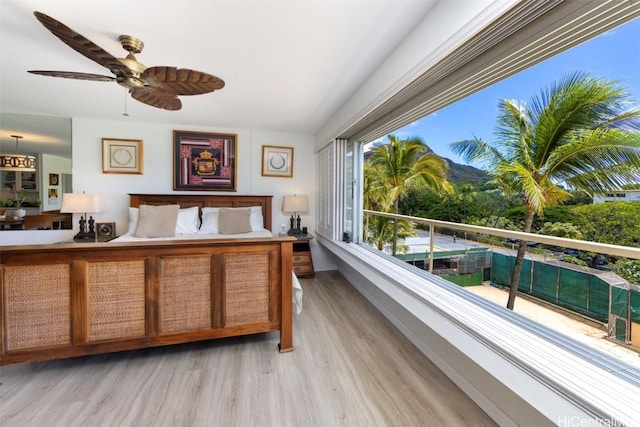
point(302, 261)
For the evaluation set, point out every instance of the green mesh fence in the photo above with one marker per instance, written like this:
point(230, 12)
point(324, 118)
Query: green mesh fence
point(620, 302)
point(598, 302)
point(501, 269)
point(544, 281)
point(621, 330)
point(635, 306)
point(575, 290)
point(524, 284)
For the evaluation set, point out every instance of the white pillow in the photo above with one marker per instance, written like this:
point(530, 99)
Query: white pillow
point(133, 220)
point(210, 220)
point(256, 220)
point(188, 221)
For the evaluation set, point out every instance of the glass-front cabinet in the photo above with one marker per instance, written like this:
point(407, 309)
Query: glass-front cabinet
point(19, 180)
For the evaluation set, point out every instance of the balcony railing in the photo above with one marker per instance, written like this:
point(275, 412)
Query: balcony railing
point(605, 298)
point(600, 248)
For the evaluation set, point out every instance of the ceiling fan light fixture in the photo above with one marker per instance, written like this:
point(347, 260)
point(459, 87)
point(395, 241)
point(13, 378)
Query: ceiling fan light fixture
point(17, 162)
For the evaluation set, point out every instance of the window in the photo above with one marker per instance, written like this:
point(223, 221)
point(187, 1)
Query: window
point(527, 34)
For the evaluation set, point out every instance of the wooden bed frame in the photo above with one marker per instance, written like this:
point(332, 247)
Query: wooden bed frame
point(74, 299)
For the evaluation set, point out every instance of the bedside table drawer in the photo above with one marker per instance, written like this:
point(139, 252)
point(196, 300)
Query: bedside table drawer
point(303, 269)
point(301, 257)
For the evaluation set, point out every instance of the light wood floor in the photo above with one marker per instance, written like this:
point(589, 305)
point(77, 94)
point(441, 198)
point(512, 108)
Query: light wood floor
point(351, 367)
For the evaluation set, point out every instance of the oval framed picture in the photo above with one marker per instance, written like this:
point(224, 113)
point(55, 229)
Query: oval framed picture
point(277, 161)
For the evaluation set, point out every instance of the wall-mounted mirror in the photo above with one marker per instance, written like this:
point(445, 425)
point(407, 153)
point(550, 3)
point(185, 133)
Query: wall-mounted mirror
point(49, 140)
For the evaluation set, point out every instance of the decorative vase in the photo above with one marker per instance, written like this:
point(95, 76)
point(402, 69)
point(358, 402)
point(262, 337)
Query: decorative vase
point(20, 213)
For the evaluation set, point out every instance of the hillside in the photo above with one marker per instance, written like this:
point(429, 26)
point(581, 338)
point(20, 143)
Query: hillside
point(464, 174)
point(458, 174)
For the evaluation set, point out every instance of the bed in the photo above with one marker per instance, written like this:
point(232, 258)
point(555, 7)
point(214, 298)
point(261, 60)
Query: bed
point(74, 299)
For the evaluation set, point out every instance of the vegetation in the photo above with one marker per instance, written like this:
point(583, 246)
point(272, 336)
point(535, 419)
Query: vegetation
point(615, 223)
point(629, 270)
point(392, 171)
point(561, 229)
point(576, 132)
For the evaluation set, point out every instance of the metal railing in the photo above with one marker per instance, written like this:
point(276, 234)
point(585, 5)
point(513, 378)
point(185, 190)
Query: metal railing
point(601, 248)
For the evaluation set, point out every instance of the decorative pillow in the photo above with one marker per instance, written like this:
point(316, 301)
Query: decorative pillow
point(256, 220)
point(188, 221)
point(209, 220)
point(234, 221)
point(157, 221)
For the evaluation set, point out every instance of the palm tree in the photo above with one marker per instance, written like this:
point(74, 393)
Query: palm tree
point(406, 165)
point(578, 133)
point(380, 233)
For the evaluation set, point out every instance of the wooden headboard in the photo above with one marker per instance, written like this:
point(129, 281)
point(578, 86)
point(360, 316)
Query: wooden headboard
point(206, 200)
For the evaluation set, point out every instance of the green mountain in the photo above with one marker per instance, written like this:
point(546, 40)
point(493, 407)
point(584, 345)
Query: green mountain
point(465, 174)
point(458, 174)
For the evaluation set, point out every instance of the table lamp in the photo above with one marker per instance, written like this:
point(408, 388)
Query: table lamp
point(83, 203)
point(295, 205)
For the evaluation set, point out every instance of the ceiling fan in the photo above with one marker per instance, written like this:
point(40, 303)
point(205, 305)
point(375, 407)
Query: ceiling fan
point(155, 86)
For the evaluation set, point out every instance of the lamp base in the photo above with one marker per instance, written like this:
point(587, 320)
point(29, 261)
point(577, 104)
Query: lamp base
point(294, 231)
point(84, 237)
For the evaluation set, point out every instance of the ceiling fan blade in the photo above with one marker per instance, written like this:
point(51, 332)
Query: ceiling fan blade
point(74, 75)
point(184, 81)
point(82, 45)
point(158, 98)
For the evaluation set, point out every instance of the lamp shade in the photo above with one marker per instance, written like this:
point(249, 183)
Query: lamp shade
point(82, 203)
point(295, 204)
point(17, 162)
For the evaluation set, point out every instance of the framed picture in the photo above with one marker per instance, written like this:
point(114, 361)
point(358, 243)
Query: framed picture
point(277, 161)
point(204, 161)
point(121, 155)
point(54, 178)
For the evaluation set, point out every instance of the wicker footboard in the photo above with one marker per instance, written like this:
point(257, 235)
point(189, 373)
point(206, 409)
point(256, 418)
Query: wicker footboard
point(77, 299)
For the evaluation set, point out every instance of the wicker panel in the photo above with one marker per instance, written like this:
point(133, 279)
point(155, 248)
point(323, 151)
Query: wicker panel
point(116, 300)
point(246, 281)
point(185, 299)
point(38, 306)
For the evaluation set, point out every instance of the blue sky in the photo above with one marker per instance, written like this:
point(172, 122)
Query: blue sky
point(614, 55)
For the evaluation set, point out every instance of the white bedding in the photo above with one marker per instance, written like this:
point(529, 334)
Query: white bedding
point(128, 237)
point(297, 289)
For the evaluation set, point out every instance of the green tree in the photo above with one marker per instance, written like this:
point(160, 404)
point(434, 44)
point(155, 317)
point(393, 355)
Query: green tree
point(628, 269)
point(615, 223)
point(405, 165)
point(495, 222)
point(561, 229)
point(578, 132)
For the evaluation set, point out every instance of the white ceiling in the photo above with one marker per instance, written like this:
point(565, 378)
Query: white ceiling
point(288, 64)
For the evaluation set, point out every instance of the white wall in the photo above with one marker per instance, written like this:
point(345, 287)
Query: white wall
point(618, 196)
point(157, 176)
point(448, 25)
